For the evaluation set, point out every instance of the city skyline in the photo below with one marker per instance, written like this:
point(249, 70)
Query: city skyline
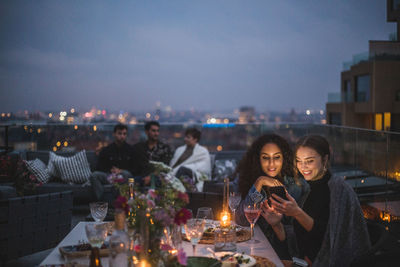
point(204, 55)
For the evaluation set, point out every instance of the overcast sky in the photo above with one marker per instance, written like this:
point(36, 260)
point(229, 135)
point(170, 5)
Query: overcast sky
point(208, 55)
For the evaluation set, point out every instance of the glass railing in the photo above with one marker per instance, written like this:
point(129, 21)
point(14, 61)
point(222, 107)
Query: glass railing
point(369, 159)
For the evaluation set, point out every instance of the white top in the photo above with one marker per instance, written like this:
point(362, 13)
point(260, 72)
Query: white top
point(262, 249)
point(199, 162)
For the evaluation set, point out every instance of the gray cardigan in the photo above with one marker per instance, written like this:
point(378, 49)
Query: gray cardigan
point(347, 236)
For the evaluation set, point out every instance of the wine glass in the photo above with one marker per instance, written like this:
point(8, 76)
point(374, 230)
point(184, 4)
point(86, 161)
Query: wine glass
point(98, 210)
point(96, 234)
point(194, 229)
point(234, 201)
point(252, 212)
point(206, 214)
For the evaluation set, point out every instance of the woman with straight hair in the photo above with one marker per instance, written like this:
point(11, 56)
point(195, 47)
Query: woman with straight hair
point(329, 226)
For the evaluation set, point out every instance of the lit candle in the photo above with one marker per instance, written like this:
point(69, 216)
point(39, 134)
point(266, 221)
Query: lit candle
point(173, 252)
point(143, 263)
point(225, 219)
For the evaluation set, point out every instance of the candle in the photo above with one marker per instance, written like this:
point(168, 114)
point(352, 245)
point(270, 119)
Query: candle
point(225, 219)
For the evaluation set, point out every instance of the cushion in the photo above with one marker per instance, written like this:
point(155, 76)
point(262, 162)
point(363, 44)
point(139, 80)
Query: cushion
point(73, 169)
point(51, 167)
point(224, 168)
point(39, 169)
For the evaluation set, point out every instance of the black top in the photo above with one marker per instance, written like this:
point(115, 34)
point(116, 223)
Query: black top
point(317, 207)
point(114, 155)
point(142, 154)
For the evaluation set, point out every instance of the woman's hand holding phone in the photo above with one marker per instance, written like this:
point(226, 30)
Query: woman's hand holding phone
point(288, 207)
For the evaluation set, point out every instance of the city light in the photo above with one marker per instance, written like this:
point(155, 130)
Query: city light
point(308, 112)
point(54, 148)
point(65, 143)
point(58, 144)
point(219, 148)
point(72, 110)
point(94, 128)
point(76, 127)
point(148, 115)
point(50, 115)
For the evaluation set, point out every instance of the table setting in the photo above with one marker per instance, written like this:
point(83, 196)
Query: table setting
point(161, 234)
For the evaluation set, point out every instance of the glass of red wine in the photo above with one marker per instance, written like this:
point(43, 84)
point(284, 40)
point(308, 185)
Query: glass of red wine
point(252, 212)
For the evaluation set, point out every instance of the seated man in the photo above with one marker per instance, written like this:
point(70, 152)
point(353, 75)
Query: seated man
point(192, 159)
point(150, 150)
point(114, 159)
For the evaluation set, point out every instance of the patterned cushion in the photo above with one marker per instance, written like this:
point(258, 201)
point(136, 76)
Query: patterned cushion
point(39, 169)
point(73, 169)
point(51, 167)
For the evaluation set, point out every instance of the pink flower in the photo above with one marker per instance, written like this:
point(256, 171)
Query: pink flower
point(166, 247)
point(150, 203)
point(122, 204)
point(152, 193)
point(182, 259)
point(182, 216)
point(183, 196)
point(137, 248)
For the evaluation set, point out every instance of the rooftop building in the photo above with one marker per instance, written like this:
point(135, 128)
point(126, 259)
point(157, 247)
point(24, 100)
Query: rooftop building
point(370, 85)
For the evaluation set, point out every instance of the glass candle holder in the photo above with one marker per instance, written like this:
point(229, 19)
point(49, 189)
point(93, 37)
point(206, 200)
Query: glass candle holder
point(225, 239)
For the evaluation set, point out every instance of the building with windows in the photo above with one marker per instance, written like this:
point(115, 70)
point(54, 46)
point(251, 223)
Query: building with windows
point(370, 84)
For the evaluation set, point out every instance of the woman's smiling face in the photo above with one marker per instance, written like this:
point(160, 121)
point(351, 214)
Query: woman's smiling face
point(309, 163)
point(271, 159)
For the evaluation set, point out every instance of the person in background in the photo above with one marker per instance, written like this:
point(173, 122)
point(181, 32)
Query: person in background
point(192, 159)
point(114, 159)
point(329, 225)
point(268, 162)
point(150, 150)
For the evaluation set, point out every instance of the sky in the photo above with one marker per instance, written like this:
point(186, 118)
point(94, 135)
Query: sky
point(215, 55)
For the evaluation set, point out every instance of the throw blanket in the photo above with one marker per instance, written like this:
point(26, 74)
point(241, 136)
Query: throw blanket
point(199, 162)
point(347, 236)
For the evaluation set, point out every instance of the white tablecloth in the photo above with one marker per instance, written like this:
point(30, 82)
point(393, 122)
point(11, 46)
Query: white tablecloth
point(262, 249)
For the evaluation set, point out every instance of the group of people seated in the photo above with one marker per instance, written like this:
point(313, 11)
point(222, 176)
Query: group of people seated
point(318, 218)
point(133, 161)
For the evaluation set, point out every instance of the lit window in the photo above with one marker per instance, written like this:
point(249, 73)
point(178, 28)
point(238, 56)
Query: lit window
point(386, 121)
point(378, 121)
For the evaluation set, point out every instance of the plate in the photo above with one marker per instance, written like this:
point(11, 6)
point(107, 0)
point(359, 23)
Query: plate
point(82, 250)
point(202, 261)
point(252, 261)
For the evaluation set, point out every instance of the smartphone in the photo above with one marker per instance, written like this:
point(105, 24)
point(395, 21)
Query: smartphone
point(277, 190)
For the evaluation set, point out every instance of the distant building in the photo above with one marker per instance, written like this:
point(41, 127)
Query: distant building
point(370, 84)
point(247, 114)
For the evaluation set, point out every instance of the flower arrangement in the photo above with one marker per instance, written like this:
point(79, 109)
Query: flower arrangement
point(15, 170)
point(153, 212)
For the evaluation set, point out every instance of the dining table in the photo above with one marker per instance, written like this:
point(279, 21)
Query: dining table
point(77, 235)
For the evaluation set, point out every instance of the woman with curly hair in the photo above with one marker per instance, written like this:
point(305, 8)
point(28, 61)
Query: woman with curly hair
point(268, 162)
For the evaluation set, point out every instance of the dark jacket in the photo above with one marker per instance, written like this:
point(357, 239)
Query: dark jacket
point(113, 155)
point(142, 155)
